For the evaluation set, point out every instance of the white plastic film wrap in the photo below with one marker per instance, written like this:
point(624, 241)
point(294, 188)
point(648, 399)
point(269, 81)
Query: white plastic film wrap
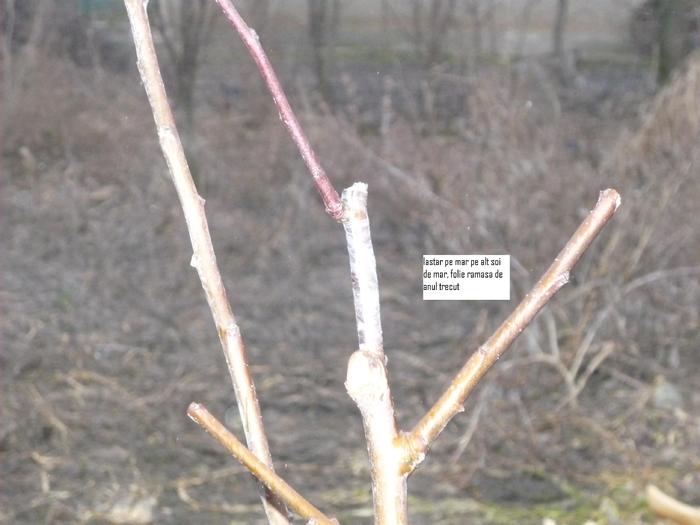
point(363, 267)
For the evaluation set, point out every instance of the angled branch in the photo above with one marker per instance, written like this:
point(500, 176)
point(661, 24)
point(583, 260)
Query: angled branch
point(264, 474)
point(330, 197)
point(203, 257)
point(417, 442)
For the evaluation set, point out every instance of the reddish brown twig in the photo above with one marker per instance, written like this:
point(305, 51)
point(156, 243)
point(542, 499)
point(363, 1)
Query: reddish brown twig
point(200, 415)
point(203, 257)
point(452, 400)
point(250, 38)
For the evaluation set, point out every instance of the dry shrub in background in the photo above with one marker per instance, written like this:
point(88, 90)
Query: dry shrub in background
point(510, 162)
point(502, 165)
point(657, 254)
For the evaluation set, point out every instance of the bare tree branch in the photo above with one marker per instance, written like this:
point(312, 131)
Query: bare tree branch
point(203, 257)
point(330, 196)
point(667, 507)
point(452, 400)
point(264, 474)
point(394, 456)
point(367, 382)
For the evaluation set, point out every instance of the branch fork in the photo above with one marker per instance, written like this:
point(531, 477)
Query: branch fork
point(393, 455)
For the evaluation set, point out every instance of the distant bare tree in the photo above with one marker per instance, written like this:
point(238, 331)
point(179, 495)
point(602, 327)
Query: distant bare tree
point(672, 18)
point(184, 27)
point(385, 11)
point(559, 27)
point(558, 34)
point(324, 25)
point(23, 34)
point(479, 21)
point(474, 10)
point(523, 23)
point(431, 23)
point(668, 30)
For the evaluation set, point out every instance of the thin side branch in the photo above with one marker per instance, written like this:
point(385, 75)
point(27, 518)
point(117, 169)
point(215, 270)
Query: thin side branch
point(265, 475)
point(452, 400)
point(250, 38)
point(367, 382)
point(203, 257)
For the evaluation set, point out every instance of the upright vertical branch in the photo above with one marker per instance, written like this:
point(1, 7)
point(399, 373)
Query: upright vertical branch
point(452, 400)
point(330, 197)
point(363, 268)
point(203, 257)
point(367, 382)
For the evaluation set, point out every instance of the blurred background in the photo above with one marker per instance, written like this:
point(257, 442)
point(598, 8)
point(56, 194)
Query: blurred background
point(483, 127)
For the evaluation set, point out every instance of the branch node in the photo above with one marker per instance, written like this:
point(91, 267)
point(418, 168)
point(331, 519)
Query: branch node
point(413, 451)
point(366, 380)
point(561, 279)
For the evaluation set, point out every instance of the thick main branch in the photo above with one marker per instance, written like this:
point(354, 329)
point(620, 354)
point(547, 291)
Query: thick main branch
point(203, 257)
point(367, 382)
point(452, 400)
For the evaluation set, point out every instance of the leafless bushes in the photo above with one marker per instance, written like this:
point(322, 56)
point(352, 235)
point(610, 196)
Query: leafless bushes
point(659, 248)
point(506, 150)
point(78, 235)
